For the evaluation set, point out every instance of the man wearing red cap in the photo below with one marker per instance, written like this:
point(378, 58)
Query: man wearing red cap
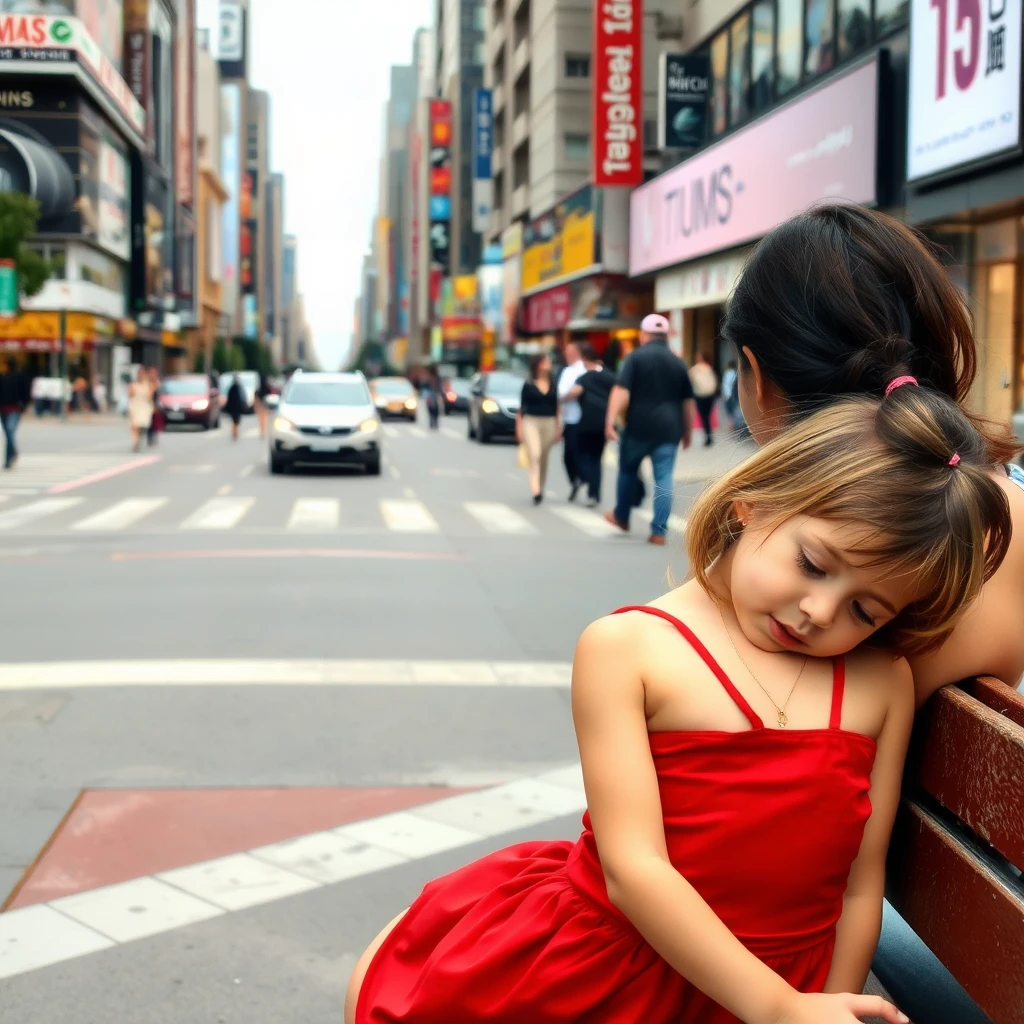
point(655, 393)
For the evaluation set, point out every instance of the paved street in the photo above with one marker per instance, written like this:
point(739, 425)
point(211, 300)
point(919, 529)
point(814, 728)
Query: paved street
point(243, 718)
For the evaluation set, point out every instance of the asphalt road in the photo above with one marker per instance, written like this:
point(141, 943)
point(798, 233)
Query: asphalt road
point(320, 631)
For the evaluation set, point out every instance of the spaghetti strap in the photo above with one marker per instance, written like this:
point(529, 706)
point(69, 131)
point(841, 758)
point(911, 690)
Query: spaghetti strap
point(838, 686)
point(705, 654)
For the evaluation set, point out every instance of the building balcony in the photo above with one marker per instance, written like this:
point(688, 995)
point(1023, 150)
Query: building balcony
point(520, 129)
point(498, 101)
point(497, 161)
point(520, 201)
point(521, 59)
point(494, 41)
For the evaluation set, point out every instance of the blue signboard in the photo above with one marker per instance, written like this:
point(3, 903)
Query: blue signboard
point(440, 208)
point(483, 147)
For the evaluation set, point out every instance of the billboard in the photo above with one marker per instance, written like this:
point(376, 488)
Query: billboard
point(102, 19)
point(231, 33)
point(440, 166)
point(682, 100)
point(248, 247)
point(483, 148)
point(821, 145)
point(964, 103)
point(562, 243)
point(153, 230)
point(231, 174)
point(618, 100)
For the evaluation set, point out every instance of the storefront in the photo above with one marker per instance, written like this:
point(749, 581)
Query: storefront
point(965, 173)
point(691, 227)
point(461, 324)
point(511, 285)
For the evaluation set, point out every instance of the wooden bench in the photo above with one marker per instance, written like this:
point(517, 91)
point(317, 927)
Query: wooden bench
point(956, 862)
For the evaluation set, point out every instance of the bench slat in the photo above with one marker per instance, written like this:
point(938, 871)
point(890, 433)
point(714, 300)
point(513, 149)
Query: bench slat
point(971, 759)
point(998, 696)
point(961, 909)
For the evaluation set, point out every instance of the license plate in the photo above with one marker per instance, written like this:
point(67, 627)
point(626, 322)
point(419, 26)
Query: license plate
point(323, 446)
point(175, 415)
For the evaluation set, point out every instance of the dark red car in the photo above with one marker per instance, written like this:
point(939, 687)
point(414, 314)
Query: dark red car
point(190, 399)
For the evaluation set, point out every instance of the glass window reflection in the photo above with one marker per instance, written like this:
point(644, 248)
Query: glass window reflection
point(789, 47)
point(719, 83)
point(820, 44)
point(762, 67)
point(739, 70)
point(854, 26)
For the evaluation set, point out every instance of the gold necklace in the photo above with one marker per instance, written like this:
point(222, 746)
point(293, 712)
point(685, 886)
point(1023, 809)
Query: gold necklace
point(781, 712)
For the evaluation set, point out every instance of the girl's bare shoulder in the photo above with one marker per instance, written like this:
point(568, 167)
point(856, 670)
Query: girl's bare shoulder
point(877, 681)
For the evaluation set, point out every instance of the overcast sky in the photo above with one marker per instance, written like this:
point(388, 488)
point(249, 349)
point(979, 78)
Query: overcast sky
point(325, 65)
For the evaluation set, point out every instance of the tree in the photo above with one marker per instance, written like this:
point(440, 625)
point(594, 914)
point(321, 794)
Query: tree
point(199, 363)
point(221, 359)
point(19, 215)
point(236, 360)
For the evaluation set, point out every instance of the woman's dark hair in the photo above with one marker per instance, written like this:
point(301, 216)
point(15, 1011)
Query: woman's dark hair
point(840, 300)
point(535, 364)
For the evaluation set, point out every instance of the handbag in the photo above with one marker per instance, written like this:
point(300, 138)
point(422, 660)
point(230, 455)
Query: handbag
point(523, 456)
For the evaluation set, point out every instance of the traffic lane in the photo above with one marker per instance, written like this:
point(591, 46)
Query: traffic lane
point(285, 961)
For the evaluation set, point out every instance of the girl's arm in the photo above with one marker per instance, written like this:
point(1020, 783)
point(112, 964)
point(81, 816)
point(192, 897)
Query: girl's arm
point(625, 810)
point(861, 921)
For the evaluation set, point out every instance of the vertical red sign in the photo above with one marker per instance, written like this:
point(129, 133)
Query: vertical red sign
point(618, 143)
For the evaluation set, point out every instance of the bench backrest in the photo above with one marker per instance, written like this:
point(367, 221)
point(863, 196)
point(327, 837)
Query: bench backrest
point(958, 848)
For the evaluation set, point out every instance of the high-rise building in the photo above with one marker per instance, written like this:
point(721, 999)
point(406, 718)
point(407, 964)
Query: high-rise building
point(273, 257)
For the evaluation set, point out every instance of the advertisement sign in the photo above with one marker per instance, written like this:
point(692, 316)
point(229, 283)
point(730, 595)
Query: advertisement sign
point(965, 79)
point(152, 238)
point(114, 183)
point(231, 173)
point(489, 282)
point(561, 243)
point(704, 283)
point(102, 19)
point(440, 208)
point(821, 145)
point(440, 155)
point(185, 102)
point(48, 39)
point(483, 148)
point(136, 35)
point(247, 234)
point(618, 98)
point(549, 311)
point(231, 33)
point(682, 100)
point(8, 289)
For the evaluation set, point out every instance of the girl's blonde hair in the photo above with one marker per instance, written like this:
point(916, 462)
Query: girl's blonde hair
point(884, 464)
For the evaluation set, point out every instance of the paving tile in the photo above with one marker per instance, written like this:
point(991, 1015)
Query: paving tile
point(237, 881)
point(570, 778)
point(328, 857)
point(135, 909)
point(39, 936)
point(408, 833)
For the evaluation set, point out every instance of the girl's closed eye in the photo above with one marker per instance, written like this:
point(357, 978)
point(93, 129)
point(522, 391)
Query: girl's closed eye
point(808, 566)
point(860, 613)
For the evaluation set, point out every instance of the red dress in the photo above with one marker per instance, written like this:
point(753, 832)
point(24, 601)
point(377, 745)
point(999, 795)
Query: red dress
point(765, 825)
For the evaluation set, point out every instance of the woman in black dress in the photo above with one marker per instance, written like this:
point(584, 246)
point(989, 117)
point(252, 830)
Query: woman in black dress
point(538, 426)
point(235, 405)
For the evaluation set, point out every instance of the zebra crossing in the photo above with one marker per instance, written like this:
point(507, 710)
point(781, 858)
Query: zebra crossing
point(40, 471)
point(82, 516)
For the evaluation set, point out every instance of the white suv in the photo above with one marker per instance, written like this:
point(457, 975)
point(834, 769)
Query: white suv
point(325, 418)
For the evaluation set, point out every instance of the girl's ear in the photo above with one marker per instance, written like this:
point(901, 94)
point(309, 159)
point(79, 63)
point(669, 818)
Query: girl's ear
point(742, 511)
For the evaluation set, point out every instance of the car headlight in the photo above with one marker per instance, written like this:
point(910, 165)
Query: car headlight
point(283, 423)
point(489, 405)
point(380, 402)
point(368, 425)
point(200, 404)
point(410, 403)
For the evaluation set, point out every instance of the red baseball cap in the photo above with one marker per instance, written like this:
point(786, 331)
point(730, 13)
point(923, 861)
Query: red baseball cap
point(654, 323)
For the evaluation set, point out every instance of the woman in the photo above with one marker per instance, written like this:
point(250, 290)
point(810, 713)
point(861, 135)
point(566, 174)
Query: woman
point(262, 390)
point(140, 406)
point(537, 423)
point(235, 405)
point(882, 307)
point(156, 423)
point(705, 387)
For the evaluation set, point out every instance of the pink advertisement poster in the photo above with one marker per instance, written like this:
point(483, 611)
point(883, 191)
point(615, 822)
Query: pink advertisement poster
point(822, 145)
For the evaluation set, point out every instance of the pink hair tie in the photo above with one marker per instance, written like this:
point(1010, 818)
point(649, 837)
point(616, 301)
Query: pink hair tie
point(955, 461)
point(898, 382)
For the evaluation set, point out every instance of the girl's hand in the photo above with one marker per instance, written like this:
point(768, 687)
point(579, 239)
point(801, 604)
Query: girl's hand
point(842, 1008)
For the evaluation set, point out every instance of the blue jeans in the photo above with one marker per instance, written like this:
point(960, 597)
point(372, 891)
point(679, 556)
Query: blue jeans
point(663, 458)
point(10, 425)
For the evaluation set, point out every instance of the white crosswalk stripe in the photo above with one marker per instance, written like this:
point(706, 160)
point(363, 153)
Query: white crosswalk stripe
point(219, 514)
point(495, 517)
point(25, 514)
point(675, 523)
point(417, 432)
point(120, 515)
point(38, 471)
point(589, 522)
point(315, 514)
point(390, 430)
point(408, 516)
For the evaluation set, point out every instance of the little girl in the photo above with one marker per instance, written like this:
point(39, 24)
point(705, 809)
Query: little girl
point(742, 775)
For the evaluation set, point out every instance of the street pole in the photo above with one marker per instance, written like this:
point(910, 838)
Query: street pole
point(63, 363)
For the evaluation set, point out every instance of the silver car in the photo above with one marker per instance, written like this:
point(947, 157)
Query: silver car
point(325, 419)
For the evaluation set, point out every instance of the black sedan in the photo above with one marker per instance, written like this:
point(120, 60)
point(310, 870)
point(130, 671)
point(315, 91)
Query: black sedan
point(456, 395)
point(493, 404)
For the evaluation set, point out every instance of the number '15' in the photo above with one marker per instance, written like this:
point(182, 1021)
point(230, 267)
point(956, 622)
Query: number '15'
point(965, 58)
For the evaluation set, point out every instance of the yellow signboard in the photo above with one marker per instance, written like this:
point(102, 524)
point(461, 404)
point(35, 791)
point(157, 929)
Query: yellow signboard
point(561, 243)
point(45, 326)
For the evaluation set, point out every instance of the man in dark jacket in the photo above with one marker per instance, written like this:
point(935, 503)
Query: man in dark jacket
point(591, 391)
point(15, 394)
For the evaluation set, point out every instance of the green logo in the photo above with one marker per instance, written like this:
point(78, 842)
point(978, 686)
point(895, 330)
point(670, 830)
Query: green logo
point(61, 32)
point(8, 289)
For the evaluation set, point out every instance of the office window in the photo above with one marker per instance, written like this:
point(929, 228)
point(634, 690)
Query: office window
point(762, 66)
point(480, 18)
point(821, 50)
point(739, 70)
point(789, 45)
point(577, 146)
point(890, 14)
point(577, 65)
point(478, 54)
point(719, 82)
point(854, 26)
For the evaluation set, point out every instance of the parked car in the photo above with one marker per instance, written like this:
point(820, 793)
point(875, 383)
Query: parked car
point(250, 381)
point(191, 398)
point(395, 396)
point(493, 405)
point(456, 395)
point(325, 418)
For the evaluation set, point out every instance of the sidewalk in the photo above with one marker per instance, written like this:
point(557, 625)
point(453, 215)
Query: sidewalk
point(697, 464)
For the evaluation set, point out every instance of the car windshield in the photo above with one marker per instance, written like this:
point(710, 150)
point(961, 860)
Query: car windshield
point(504, 384)
point(392, 388)
point(327, 392)
point(185, 386)
point(460, 386)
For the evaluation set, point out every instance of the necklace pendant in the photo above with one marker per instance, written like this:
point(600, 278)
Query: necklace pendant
point(783, 720)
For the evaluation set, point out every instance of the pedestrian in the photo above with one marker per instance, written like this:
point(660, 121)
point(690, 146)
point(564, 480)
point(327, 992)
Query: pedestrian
point(731, 398)
point(99, 394)
point(571, 413)
point(430, 390)
point(537, 423)
point(655, 394)
point(140, 406)
point(235, 405)
point(262, 414)
point(15, 396)
point(592, 392)
point(685, 900)
point(705, 387)
point(156, 421)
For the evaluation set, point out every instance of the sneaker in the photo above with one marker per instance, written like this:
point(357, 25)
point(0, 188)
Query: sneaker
point(609, 517)
point(592, 503)
point(657, 539)
point(574, 490)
